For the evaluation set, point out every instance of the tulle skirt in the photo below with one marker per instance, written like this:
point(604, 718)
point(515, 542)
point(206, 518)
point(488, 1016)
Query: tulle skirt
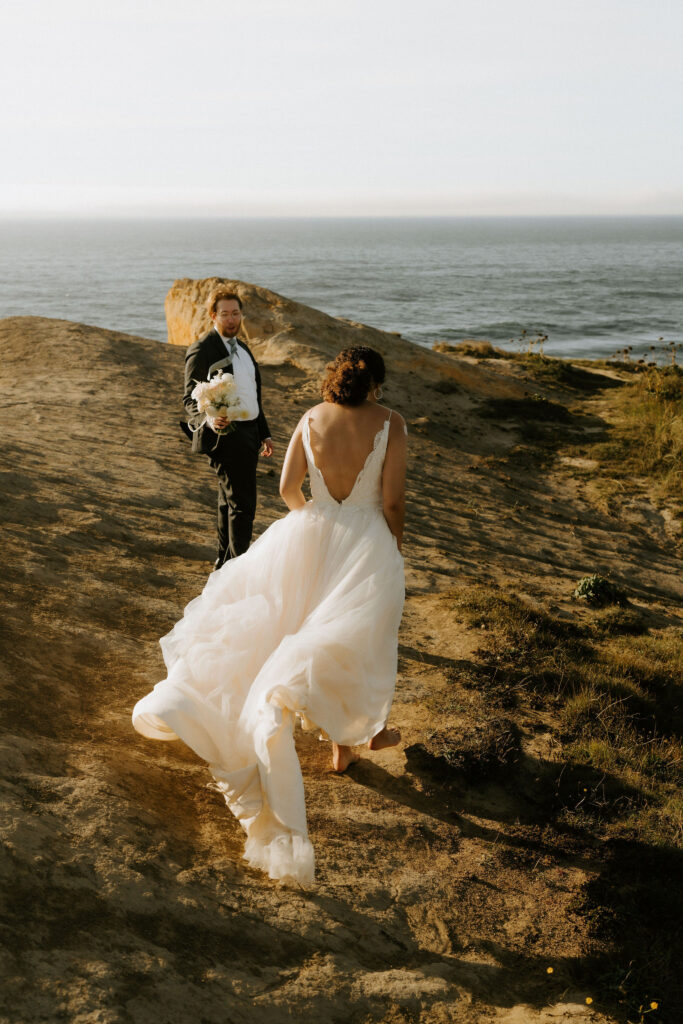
point(305, 622)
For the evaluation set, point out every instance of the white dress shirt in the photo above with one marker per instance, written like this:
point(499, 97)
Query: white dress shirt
point(245, 377)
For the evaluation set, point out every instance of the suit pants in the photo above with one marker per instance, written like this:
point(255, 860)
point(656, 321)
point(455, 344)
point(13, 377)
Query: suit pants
point(234, 461)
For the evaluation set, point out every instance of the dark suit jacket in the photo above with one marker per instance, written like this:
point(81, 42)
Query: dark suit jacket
point(200, 356)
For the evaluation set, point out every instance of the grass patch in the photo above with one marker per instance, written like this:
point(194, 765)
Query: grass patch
point(646, 436)
point(618, 622)
point(550, 370)
point(616, 690)
point(469, 753)
point(561, 373)
point(625, 366)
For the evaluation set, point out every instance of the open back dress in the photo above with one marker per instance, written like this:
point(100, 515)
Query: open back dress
point(303, 623)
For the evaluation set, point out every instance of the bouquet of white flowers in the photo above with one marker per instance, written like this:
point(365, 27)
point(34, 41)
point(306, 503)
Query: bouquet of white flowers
point(219, 397)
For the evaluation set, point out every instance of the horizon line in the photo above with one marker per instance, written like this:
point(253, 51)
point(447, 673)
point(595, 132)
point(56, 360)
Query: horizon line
point(24, 215)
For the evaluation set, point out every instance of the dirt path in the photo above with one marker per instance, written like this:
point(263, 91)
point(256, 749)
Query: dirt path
point(126, 898)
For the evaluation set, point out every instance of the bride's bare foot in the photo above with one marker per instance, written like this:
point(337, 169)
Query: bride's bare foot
point(342, 757)
point(385, 738)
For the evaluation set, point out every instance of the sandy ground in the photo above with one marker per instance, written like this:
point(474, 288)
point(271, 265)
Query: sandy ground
point(126, 899)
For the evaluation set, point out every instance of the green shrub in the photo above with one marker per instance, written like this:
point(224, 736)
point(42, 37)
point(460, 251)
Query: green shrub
point(598, 590)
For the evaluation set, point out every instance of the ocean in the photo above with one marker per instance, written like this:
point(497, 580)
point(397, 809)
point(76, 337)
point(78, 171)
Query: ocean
point(592, 284)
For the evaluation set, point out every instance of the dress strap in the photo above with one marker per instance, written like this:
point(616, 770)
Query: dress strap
point(308, 447)
point(382, 437)
point(388, 419)
point(306, 434)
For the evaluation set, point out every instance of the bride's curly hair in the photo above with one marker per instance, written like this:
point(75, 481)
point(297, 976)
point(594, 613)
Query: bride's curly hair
point(350, 375)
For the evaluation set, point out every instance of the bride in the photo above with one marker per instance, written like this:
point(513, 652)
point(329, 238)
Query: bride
point(304, 623)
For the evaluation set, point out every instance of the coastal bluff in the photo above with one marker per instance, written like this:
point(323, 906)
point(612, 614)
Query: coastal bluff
point(452, 871)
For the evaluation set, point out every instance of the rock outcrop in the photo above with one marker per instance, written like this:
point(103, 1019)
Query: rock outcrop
point(280, 330)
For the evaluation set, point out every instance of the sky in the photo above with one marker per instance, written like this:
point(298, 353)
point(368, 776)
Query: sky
point(341, 107)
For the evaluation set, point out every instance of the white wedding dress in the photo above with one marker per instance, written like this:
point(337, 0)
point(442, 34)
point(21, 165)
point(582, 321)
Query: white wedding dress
point(305, 622)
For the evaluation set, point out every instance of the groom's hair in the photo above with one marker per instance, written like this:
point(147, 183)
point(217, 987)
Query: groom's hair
point(221, 293)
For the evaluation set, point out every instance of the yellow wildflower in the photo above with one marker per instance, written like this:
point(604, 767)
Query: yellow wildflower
point(589, 1000)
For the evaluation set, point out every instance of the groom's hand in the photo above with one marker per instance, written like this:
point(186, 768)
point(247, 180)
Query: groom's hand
point(219, 423)
point(267, 449)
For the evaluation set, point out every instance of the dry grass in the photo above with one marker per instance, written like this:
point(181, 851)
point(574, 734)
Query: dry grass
point(646, 435)
point(615, 691)
point(471, 752)
point(561, 373)
point(618, 694)
point(618, 622)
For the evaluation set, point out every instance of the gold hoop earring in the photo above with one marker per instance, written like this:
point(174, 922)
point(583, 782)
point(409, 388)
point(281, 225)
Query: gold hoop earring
point(378, 393)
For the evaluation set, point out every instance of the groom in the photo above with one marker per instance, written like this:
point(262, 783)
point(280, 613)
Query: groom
point(234, 455)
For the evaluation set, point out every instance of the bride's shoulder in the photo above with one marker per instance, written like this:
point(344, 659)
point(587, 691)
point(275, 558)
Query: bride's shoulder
point(309, 412)
point(312, 411)
point(316, 408)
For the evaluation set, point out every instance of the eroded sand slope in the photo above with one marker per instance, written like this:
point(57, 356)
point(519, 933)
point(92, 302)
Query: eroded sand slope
point(126, 898)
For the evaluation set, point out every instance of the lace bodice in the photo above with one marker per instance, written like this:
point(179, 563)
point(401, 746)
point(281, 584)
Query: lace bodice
point(367, 490)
